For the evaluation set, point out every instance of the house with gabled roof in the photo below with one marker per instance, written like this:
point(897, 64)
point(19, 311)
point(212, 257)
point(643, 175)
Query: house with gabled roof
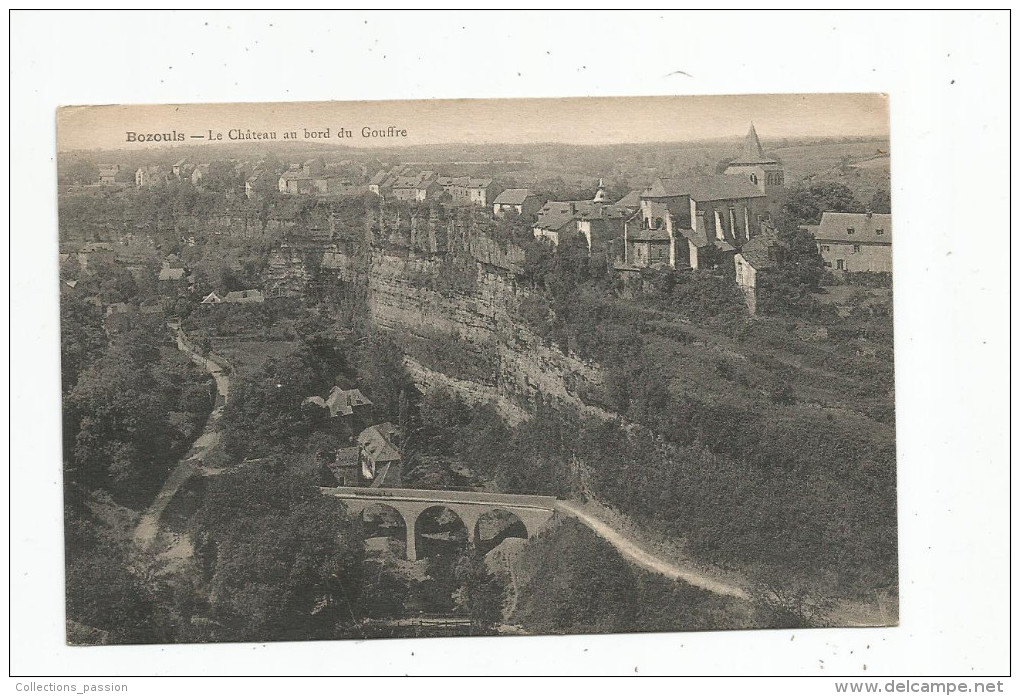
point(632, 201)
point(419, 187)
point(199, 173)
point(757, 256)
point(855, 242)
point(181, 168)
point(599, 223)
point(380, 455)
point(517, 200)
point(108, 174)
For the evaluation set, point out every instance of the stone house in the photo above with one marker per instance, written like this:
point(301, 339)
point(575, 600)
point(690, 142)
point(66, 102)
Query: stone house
point(181, 168)
point(644, 247)
point(467, 190)
point(757, 256)
point(520, 201)
point(380, 455)
point(199, 173)
point(108, 174)
point(420, 187)
point(854, 242)
point(599, 223)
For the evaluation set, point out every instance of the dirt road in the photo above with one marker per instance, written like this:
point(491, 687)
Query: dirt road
point(148, 524)
point(633, 552)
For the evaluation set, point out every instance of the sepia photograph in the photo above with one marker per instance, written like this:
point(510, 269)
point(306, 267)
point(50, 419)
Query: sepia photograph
point(394, 369)
point(448, 344)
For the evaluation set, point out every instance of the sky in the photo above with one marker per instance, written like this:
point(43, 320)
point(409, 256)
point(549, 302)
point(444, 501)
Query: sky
point(589, 121)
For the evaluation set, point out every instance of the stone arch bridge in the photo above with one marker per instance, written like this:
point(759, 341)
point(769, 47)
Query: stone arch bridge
point(534, 511)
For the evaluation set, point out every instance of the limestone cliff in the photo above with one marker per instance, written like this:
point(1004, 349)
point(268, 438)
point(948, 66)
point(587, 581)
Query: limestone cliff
point(458, 322)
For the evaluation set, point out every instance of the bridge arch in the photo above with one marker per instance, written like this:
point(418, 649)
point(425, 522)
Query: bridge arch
point(439, 524)
point(381, 516)
point(502, 523)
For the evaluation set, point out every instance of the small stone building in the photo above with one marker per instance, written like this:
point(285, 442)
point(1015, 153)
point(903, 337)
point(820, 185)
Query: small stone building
point(757, 256)
point(520, 201)
point(855, 242)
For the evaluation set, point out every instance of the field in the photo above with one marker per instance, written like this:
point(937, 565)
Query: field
point(863, 167)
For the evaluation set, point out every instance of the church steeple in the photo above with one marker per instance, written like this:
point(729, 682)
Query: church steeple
point(752, 152)
point(762, 171)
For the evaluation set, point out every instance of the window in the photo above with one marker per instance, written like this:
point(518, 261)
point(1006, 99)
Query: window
point(754, 178)
point(839, 264)
point(857, 249)
point(879, 231)
point(849, 231)
point(825, 247)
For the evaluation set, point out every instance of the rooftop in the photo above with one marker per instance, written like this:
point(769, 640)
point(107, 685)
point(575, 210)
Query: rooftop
point(376, 441)
point(875, 228)
point(244, 296)
point(757, 250)
point(512, 197)
point(752, 152)
point(704, 188)
point(171, 273)
point(631, 200)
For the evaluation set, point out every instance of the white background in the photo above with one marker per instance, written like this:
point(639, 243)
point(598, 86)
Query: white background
point(948, 77)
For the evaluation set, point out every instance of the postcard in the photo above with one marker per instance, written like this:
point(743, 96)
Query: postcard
point(351, 370)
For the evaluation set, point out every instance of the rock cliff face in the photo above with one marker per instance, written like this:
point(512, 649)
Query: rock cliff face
point(459, 321)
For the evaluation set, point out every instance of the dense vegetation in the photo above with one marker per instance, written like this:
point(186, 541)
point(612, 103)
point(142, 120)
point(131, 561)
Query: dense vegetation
point(132, 404)
point(577, 583)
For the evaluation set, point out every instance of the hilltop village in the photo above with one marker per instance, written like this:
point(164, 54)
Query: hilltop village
point(721, 220)
point(609, 333)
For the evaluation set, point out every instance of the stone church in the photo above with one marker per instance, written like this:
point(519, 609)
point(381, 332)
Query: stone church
point(752, 164)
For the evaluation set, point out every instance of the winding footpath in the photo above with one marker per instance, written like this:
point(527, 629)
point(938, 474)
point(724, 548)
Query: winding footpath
point(148, 524)
point(633, 552)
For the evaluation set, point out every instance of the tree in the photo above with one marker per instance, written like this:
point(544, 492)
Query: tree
point(264, 414)
point(82, 337)
point(481, 593)
point(81, 171)
point(804, 206)
point(881, 202)
point(220, 177)
point(788, 288)
point(287, 562)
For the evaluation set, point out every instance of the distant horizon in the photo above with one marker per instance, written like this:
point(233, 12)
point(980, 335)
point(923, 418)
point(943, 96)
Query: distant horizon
point(169, 148)
point(576, 121)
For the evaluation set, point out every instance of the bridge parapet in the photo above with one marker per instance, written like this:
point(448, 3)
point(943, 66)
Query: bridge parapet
point(544, 502)
point(534, 511)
